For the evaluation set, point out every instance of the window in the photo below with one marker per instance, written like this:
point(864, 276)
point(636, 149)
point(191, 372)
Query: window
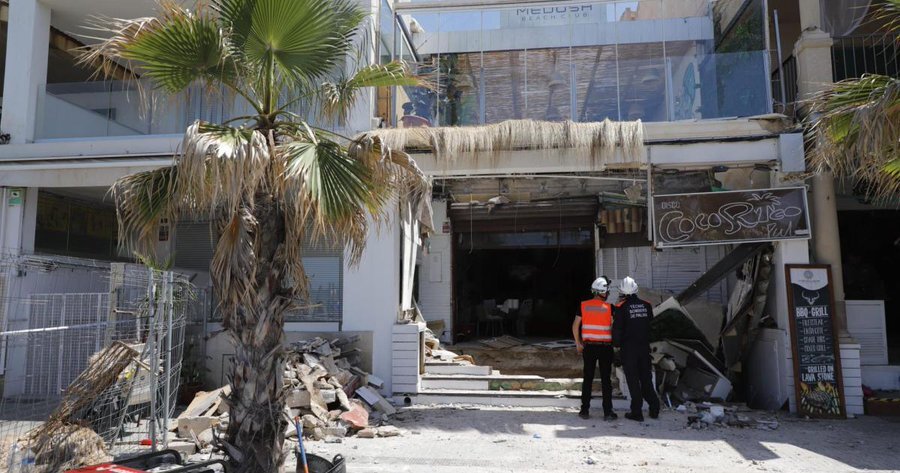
point(71, 226)
point(324, 270)
point(326, 289)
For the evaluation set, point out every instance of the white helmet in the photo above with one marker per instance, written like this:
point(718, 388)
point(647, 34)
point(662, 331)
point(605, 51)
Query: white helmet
point(600, 285)
point(628, 286)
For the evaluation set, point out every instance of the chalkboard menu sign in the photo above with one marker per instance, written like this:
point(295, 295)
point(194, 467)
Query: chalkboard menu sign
point(707, 218)
point(817, 362)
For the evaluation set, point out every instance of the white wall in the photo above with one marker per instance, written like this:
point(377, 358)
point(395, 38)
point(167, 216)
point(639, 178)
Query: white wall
point(436, 274)
point(372, 295)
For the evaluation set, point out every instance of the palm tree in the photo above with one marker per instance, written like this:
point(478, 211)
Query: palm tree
point(855, 125)
point(268, 180)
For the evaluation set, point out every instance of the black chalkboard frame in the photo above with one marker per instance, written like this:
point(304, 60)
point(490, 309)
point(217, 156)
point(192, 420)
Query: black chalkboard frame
point(839, 374)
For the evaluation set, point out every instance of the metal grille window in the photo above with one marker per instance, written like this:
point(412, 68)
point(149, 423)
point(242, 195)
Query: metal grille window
point(325, 271)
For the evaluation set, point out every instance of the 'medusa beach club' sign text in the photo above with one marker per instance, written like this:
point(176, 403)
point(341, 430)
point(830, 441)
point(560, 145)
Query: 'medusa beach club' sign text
point(730, 217)
point(549, 15)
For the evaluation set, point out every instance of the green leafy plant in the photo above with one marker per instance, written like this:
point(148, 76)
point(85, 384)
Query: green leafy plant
point(269, 180)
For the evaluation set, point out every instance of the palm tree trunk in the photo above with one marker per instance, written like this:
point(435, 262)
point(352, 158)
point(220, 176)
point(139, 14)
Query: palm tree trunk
point(257, 423)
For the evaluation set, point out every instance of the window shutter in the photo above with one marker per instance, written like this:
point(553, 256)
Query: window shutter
point(193, 245)
point(325, 273)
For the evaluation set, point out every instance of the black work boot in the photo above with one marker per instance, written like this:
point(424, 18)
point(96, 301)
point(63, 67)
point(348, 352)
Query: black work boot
point(584, 414)
point(635, 417)
point(609, 417)
point(654, 413)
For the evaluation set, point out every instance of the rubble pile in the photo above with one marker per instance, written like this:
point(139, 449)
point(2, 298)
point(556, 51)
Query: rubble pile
point(433, 351)
point(333, 397)
point(322, 386)
point(706, 415)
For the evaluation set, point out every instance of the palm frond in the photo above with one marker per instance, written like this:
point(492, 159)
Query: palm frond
point(185, 48)
point(889, 14)
point(338, 97)
point(855, 132)
point(303, 39)
point(333, 184)
point(143, 200)
point(234, 263)
point(220, 167)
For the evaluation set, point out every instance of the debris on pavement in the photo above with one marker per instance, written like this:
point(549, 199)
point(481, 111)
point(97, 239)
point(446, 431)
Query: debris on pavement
point(706, 415)
point(323, 386)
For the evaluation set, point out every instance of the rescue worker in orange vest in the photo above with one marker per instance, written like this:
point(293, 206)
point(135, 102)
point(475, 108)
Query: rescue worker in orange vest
point(631, 332)
point(593, 339)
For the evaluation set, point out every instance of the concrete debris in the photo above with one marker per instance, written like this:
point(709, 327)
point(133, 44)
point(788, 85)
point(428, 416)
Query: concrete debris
point(357, 417)
point(375, 400)
point(186, 449)
point(189, 427)
point(322, 385)
point(686, 371)
point(706, 415)
point(388, 431)
point(369, 433)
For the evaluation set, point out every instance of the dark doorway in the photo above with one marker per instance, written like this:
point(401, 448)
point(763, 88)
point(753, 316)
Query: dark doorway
point(870, 250)
point(522, 284)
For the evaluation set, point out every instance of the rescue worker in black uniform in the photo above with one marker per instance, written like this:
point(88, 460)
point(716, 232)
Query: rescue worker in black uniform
point(631, 332)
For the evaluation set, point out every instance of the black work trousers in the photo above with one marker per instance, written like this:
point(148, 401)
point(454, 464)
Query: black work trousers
point(636, 364)
point(594, 354)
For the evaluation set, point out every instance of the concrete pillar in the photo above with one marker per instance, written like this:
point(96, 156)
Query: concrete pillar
point(827, 240)
point(27, 48)
point(814, 73)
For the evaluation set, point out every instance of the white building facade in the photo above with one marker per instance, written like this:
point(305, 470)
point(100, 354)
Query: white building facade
point(695, 72)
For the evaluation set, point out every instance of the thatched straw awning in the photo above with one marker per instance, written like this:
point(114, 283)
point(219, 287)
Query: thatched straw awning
point(607, 141)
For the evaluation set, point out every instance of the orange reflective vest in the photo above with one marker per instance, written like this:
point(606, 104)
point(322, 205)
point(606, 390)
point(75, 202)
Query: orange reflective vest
point(596, 321)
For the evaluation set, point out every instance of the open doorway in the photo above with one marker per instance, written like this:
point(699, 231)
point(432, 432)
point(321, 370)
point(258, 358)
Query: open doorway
point(525, 291)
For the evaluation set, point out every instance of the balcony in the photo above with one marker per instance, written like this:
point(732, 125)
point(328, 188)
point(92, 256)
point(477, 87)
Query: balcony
point(114, 108)
point(649, 60)
point(853, 56)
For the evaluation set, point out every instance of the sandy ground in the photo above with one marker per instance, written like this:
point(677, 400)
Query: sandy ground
point(438, 439)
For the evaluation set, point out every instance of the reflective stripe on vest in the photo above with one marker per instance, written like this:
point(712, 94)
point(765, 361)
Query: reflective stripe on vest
point(596, 321)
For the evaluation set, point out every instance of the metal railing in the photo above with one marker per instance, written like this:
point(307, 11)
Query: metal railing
point(786, 74)
point(853, 56)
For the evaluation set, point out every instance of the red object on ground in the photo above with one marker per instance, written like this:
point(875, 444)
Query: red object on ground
point(357, 416)
point(146, 442)
point(106, 468)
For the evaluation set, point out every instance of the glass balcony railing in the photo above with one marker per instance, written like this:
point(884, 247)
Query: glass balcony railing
point(114, 108)
point(583, 85)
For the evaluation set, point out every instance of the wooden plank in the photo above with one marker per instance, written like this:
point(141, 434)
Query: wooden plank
point(405, 362)
point(405, 337)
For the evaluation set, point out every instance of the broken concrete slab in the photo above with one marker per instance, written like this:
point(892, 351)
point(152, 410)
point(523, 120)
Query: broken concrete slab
point(298, 398)
point(335, 431)
point(388, 431)
point(368, 433)
point(205, 438)
point(375, 381)
point(192, 426)
point(375, 400)
point(186, 449)
point(328, 395)
point(357, 417)
point(203, 401)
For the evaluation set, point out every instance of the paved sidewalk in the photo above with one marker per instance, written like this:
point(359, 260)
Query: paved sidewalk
point(468, 439)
